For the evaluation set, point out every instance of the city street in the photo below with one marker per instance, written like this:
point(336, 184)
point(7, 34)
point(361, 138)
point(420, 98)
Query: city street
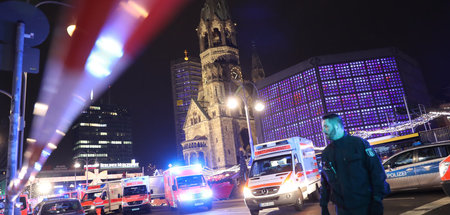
point(405, 203)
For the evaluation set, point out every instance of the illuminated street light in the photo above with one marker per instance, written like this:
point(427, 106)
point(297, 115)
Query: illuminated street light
point(232, 102)
point(258, 106)
point(71, 29)
point(44, 187)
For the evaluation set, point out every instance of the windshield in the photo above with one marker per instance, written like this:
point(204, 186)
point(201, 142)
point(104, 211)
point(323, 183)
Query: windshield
point(91, 196)
point(135, 190)
point(190, 181)
point(61, 207)
point(273, 165)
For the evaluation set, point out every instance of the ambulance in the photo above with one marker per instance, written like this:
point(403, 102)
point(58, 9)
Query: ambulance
point(136, 194)
point(105, 197)
point(186, 187)
point(284, 173)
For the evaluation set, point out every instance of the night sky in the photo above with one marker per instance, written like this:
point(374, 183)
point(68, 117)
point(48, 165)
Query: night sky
point(285, 32)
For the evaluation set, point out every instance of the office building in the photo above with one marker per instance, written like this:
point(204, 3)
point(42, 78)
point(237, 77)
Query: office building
point(186, 74)
point(102, 134)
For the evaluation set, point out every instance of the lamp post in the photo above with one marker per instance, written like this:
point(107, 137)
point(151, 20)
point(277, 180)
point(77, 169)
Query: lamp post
point(76, 165)
point(258, 106)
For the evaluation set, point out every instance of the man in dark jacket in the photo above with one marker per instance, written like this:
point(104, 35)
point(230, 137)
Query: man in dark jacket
point(353, 177)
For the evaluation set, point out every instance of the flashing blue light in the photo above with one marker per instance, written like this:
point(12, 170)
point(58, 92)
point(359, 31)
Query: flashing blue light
point(110, 45)
point(60, 191)
point(104, 55)
point(37, 166)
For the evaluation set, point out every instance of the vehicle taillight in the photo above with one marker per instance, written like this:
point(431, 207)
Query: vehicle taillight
point(443, 167)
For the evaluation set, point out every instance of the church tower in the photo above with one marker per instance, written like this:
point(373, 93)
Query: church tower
point(214, 133)
point(257, 68)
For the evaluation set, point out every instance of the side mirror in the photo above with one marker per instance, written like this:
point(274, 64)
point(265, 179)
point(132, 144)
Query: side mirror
point(151, 191)
point(174, 188)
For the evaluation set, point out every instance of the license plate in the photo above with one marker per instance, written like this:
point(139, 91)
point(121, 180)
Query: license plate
point(266, 204)
point(134, 209)
point(198, 203)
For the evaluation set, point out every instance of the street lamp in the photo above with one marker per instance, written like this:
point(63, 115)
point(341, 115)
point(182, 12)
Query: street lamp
point(76, 165)
point(258, 106)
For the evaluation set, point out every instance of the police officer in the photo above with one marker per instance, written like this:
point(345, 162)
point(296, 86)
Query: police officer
point(352, 175)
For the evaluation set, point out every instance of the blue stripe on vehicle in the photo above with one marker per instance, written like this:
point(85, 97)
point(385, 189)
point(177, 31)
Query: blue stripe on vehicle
point(417, 170)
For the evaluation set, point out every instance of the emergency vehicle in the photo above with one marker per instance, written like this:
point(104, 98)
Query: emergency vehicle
point(284, 173)
point(445, 174)
point(106, 197)
point(186, 187)
point(25, 208)
point(136, 194)
point(416, 168)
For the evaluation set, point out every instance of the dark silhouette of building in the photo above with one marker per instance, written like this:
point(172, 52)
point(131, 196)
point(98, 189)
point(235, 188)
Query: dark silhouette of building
point(102, 134)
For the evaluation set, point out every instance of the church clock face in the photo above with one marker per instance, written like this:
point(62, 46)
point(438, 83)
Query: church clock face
point(235, 73)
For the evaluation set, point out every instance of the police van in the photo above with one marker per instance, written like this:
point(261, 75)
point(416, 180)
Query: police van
point(284, 173)
point(416, 168)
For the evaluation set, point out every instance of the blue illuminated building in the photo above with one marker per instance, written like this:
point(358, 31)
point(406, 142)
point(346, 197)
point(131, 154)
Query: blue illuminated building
point(366, 88)
point(186, 74)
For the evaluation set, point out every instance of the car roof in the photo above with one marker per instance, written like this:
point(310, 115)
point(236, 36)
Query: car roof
point(418, 147)
point(58, 200)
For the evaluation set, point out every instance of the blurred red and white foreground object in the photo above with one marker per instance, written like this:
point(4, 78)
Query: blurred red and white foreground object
point(108, 36)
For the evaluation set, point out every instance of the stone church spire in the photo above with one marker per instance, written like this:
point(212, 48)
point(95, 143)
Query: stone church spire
point(216, 28)
point(257, 68)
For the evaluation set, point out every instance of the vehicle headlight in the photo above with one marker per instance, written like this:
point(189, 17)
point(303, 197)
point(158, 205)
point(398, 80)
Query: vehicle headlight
point(443, 167)
point(186, 197)
point(125, 203)
point(247, 192)
point(288, 186)
point(207, 194)
point(92, 207)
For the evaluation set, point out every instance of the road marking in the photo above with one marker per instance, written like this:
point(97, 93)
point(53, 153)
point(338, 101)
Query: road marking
point(428, 207)
point(400, 198)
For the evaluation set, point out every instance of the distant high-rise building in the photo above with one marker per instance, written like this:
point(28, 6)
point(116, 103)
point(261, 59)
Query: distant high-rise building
point(102, 134)
point(186, 76)
point(366, 88)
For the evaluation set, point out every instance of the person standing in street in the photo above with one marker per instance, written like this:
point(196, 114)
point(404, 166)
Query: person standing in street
point(353, 177)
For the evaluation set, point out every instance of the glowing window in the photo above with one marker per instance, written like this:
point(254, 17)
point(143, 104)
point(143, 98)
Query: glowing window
point(284, 87)
point(377, 81)
point(330, 88)
point(369, 116)
point(353, 118)
point(312, 91)
point(373, 66)
point(310, 76)
point(327, 72)
point(389, 64)
point(333, 103)
point(303, 111)
point(275, 105)
point(381, 97)
point(290, 115)
point(366, 99)
point(342, 70)
point(396, 95)
point(358, 68)
point(299, 97)
point(349, 102)
point(273, 91)
point(287, 101)
point(296, 81)
point(316, 107)
point(292, 130)
point(346, 86)
point(393, 79)
point(362, 84)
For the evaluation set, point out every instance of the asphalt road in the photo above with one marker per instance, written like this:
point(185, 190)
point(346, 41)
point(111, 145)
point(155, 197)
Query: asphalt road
point(431, 202)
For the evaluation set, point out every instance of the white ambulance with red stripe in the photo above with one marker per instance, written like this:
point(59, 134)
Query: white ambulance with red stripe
point(136, 195)
point(284, 173)
point(105, 197)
